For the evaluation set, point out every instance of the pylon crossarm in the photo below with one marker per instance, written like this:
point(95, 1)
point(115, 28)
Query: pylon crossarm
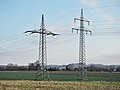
point(88, 31)
point(51, 33)
point(75, 29)
point(47, 33)
point(75, 19)
point(87, 21)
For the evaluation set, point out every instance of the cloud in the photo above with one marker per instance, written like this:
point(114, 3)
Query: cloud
point(62, 13)
point(107, 59)
point(91, 3)
point(113, 2)
point(109, 19)
point(58, 28)
point(2, 51)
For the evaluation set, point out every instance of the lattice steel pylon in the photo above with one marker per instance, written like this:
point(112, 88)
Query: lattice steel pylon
point(42, 73)
point(82, 59)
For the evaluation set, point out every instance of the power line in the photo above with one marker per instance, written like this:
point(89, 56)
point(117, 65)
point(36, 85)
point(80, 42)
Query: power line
point(10, 38)
point(87, 9)
point(105, 20)
point(107, 28)
point(104, 7)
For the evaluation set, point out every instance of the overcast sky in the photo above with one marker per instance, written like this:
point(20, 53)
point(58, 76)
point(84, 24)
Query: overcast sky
point(17, 16)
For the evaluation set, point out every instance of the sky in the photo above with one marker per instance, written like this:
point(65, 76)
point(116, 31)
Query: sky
point(18, 16)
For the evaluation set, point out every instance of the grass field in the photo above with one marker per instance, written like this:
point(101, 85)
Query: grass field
point(61, 80)
point(59, 76)
point(58, 85)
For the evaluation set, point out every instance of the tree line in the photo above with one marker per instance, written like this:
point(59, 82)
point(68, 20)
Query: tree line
point(35, 67)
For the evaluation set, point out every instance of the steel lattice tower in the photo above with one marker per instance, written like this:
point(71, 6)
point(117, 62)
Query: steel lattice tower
point(42, 73)
point(82, 59)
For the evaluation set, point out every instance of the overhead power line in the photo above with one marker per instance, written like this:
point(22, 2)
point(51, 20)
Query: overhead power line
point(10, 38)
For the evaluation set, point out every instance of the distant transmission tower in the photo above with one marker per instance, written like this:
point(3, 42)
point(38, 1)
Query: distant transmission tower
point(82, 59)
point(42, 70)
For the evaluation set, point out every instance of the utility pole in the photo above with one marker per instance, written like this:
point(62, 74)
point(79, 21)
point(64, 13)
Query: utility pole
point(82, 59)
point(42, 73)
